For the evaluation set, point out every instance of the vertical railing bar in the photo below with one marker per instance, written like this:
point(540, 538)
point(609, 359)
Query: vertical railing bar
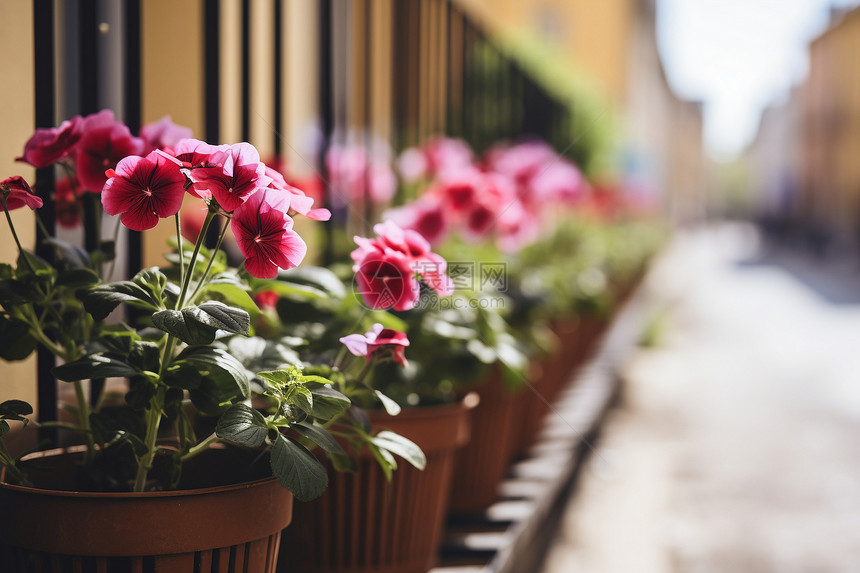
point(326, 116)
point(278, 79)
point(449, 73)
point(89, 91)
point(212, 71)
point(246, 69)
point(44, 92)
point(368, 125)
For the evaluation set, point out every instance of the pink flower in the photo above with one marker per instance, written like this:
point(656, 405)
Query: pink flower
point(16, 193)
point(267, 299)
point(445, 154)
point(387, 280)
point(412, 165)
point(144, 189)
point(360, 177)
point(376, 339)
point(194, 153)
point(386, 268)
point(264, 233)
point(49, 145)
point(104, 142)
point(164, 133)
point(241, 174)
point(558, 182)
point(299, 202)
point(424, 216)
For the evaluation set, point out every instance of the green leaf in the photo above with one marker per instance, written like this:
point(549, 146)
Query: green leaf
point(232, 294)
point(4, 427)
point(153, 280)
point(144, 355)
point(297, 469)
point(224, 379)
point(384, 458)
point(16, 342)
point(243, 425)
point(258, 354)
point(397, 444)
point(328, 402)
point(320, 436)
point(391, 407)
point(183, 375)
point(15, 409)
point(75, 256)
point(196, 325)
point(102, 299)
point(77, 278)
point(319, 278)
point(95, 366)
point(14, 292)
point(7, 271)
point(42, 268)
point(316, 379)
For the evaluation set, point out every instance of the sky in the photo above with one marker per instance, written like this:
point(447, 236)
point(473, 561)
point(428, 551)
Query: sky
point(737, 56)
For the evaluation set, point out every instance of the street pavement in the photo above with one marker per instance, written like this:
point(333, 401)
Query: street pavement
point(736, 447)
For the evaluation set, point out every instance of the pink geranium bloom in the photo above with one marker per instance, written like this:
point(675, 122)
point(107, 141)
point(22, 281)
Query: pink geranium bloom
point(299, 202)
point(412, 165)
point(387, 280)
point(104, 142)
point(267, 299)
point(264, 233)
point(144, 189)
point(241, 174)
point(164, 134)
point(445, 154)
point(17, 193)
point(386, 267)
point(194, 153)
point(49, 145)
point(559, 182)
point(376, 339)
point(424, 216)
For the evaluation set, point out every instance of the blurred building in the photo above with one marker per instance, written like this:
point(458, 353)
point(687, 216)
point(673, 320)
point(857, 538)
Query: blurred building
point(831, 132)
point(614, 44)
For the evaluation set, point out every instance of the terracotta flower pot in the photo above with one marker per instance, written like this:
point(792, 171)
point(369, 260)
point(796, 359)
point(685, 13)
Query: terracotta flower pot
point(234, 527)
point(364, 524)
point(482, 464)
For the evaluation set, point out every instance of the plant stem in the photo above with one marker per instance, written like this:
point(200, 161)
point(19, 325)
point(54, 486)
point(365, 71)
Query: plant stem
point(201, 447)
point(182, 270)
point(153, 421)
point(181, 301)
point(107, 276)
point(15, 235)
point(11, 468)
point(84, 418)
point(211, 260)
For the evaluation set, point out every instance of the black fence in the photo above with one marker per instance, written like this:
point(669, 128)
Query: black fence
point(447, 76)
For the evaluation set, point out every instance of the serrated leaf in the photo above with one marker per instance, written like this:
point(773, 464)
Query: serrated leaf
point(95, 366)
point(102, 299)
point(297, 469)
point(242, 425)
point(403, 447)
point(151, 279)
point(232, 294)
point(197, 325)
point(391, 407)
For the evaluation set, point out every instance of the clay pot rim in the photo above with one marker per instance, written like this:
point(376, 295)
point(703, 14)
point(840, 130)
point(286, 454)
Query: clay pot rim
point(469, 401)
point(117, 494)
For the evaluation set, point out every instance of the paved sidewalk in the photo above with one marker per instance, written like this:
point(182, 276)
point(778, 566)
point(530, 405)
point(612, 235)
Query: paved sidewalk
point(737, 448)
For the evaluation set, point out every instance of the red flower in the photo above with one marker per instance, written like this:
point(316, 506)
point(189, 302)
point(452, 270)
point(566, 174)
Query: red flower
point(376, 339)
point(164, 134)
point(240, 175)
point(144, 189)
point(104, 142)
point(49, 145)
point(68, 205)
point(267, 299)
point(264, 233)
point(194, 153)
point(16, 193)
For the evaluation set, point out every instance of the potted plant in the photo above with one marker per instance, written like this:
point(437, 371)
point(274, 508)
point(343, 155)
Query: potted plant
point(144, 487)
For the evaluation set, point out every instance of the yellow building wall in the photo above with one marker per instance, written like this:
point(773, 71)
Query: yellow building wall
point(17, 118)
